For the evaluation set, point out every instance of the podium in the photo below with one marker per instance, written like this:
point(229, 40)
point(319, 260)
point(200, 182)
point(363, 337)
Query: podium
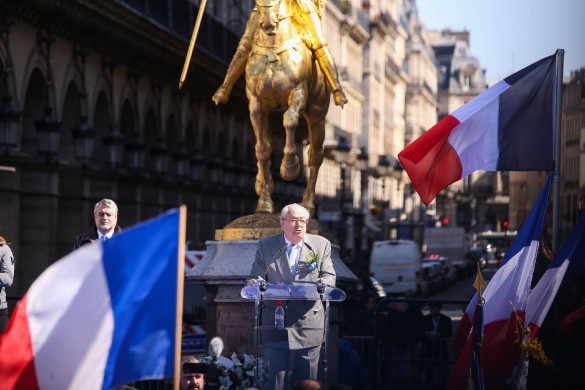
point(300, 293)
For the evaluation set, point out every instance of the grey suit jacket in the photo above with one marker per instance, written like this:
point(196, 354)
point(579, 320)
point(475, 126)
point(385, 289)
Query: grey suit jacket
point(304, 319)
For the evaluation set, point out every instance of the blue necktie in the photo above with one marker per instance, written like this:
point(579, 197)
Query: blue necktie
point(293, 251)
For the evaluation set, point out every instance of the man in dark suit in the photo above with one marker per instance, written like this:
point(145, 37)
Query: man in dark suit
point(438, 330)
point(294, 255)
point(105, 214)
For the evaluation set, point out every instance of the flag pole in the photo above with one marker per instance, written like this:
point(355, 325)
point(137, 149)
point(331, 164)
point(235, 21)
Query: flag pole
point(180, 285)
point(475, 367)
point(557, 107)
point(192, 43)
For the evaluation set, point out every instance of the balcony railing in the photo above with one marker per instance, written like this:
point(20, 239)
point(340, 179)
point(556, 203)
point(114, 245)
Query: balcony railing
point(178, 18)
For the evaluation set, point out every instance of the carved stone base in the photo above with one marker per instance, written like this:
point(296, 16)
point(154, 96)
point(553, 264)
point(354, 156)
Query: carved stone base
point(257, 226)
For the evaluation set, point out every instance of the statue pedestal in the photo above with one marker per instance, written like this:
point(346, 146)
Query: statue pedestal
point(224, 270)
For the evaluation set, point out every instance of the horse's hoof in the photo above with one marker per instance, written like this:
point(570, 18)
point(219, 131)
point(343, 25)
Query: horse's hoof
point(290, 171)
point(265, 206)
point(339, 98)
point(221, 96)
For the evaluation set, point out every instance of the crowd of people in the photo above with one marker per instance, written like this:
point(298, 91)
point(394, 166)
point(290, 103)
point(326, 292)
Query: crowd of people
point(410, 347)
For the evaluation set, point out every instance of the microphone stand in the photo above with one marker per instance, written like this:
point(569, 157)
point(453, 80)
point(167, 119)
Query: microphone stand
point(259, 301)
point(325, 302)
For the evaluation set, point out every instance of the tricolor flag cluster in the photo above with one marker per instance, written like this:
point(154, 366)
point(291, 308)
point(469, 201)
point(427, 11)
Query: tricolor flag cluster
point(103, 316)
point(508, 127)
point(510, 306)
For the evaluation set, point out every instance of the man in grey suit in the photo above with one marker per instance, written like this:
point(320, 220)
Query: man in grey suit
point(294, 255)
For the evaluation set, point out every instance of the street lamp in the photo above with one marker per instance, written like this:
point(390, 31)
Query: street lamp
point(215, 167)
point(48, 129)
point(83, 137)
point(341, 155)
point(9, 118)
point(363, 162)
point(383, 169)
point(113, 142)
point(181, 158)
point(160, 159)
point(135, 151)
point(197, 166)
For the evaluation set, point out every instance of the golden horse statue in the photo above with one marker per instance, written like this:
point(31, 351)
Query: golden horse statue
point(276, 52)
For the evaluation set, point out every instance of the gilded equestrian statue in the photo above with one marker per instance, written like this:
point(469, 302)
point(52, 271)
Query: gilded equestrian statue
point(282, 40)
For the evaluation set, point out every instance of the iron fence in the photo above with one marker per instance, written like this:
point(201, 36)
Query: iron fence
point(397, 362)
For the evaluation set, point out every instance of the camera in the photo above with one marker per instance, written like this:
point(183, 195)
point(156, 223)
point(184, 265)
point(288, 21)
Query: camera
point(212, 372)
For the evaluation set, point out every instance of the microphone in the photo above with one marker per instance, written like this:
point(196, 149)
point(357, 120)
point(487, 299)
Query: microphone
point(214, 369)
point(273, 258)
point(215, 348)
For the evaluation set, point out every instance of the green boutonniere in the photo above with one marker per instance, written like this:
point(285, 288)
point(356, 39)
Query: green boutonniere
point(312, 260)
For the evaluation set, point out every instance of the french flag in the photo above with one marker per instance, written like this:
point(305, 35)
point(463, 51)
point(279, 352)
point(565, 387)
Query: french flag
point(505, 298)
point(103, 316)
point(567, 266)
point(508, 127)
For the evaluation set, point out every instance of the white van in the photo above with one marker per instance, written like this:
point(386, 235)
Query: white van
point(397, 265)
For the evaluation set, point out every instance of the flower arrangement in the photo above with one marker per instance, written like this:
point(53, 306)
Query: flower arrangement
point(238, 374)
point(312, 260)
point(531, 347)
point(536, 352)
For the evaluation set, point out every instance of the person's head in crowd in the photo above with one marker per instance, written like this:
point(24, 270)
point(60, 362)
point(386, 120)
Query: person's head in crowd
point(309, 384)
point(368, 301)
point(192, 376)
point(401, 307)
point(293, 221)
point(105, 214)
point(435, 308)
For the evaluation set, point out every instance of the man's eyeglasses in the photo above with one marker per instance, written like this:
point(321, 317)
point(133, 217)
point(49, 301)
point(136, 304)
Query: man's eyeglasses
point(296, 221)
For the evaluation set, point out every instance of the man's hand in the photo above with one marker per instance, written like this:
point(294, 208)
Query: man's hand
point(254, 281)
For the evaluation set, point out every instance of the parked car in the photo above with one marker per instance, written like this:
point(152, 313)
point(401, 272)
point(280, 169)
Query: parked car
point(433, 276)
point(448, 271)
point(378, 288)
point(477, 255)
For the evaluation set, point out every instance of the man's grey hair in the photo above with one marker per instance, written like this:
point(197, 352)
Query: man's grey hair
point(189, 359)
point(303, 211)
point(107, 203)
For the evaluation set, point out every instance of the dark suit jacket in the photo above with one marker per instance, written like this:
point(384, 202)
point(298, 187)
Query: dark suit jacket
point(437, 347)
point(304, 319)
point(91, 236)
point(444, 328)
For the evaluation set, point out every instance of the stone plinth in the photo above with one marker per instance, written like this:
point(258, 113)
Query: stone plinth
point(224, 270)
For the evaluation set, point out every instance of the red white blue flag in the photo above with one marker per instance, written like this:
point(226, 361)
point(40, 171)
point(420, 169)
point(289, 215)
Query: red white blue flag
point(567, 266)
point(508, 127)
point(103, 316)
point(505, 296)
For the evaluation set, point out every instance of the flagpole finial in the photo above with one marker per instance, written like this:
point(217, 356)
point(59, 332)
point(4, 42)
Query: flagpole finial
point(479, 282)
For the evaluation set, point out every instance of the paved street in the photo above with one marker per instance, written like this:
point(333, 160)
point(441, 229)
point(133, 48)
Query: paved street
point(462, 290)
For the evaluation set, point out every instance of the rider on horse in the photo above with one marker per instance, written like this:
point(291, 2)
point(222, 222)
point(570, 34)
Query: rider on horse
point(307, 15)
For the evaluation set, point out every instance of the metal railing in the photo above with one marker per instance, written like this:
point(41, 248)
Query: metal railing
point(423, 363)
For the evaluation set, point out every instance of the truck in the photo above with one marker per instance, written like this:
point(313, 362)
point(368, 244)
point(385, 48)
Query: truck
point(397, 266)
point(452, 244)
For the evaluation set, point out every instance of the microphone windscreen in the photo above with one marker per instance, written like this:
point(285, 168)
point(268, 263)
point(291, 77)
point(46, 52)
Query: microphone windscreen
point(215, 347)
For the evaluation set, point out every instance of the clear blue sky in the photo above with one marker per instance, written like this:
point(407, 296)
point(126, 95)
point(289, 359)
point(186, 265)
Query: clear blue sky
point(508, 35)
